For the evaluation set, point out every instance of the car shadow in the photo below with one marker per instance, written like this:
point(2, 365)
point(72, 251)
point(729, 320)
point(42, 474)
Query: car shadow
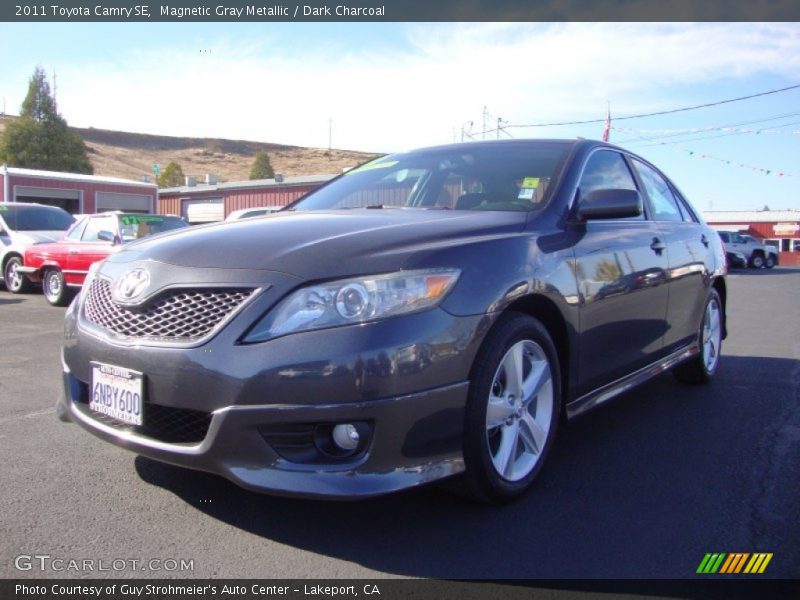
point(631, 490)
point(763, 272)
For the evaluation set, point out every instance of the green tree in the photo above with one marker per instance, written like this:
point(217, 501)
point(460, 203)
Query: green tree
point(172, 176)
point(40, 137)
point(261, 169)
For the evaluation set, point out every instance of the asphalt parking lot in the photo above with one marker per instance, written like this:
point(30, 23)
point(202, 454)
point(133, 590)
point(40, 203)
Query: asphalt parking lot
point(641, 488)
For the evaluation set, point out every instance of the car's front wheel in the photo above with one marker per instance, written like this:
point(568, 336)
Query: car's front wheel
point(769, 262)
point(16, 282)
point(703, 367)
point(757, 261)
point(513, 409)
point(55, 292)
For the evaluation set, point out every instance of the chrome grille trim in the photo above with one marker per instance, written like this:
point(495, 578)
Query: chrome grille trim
point(177, 315)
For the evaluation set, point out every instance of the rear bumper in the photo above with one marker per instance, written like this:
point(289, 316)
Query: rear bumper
point(30, 273)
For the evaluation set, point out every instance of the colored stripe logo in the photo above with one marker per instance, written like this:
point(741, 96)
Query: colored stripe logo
point(734, 563)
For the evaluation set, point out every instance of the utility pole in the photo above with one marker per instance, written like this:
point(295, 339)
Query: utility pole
point(464, 132)
point(485, 116)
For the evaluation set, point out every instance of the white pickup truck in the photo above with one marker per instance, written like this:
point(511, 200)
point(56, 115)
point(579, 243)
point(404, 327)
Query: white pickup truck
point(758, 255)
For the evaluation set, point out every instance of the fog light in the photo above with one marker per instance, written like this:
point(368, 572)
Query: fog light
point(345, 436)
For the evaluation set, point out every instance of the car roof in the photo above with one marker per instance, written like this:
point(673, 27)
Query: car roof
point(512, 143)
point(34, 205)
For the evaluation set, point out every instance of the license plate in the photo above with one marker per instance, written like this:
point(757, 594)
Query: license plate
point(116, 392)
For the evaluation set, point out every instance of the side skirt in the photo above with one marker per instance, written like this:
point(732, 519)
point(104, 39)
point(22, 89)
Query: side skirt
point(624, 384)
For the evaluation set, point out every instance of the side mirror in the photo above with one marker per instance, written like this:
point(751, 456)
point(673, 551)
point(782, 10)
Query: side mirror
point(106, 236)
point(610, 204)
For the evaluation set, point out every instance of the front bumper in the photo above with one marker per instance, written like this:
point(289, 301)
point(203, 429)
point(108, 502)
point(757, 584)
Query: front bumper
point(406, 377)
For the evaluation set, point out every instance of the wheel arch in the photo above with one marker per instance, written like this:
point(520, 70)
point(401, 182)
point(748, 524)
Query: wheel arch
point(722, 289)
point(547, 312)
point(8, 256)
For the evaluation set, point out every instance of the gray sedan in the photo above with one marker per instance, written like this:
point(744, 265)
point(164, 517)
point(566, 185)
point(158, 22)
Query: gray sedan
point(428, 315)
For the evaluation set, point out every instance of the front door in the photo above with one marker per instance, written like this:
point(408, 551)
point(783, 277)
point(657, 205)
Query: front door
point(620, 267)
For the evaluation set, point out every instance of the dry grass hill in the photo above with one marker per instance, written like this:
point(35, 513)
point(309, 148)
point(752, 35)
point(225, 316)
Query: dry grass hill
point(131, 155)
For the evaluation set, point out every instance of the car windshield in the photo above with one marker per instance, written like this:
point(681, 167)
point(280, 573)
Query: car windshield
point(19, 217)
point(502, 177)
point(133, 227)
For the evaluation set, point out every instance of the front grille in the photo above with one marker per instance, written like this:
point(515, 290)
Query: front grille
point(182, 315)
point(162, 423)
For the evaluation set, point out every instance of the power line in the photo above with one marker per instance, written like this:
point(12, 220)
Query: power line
point(663, 112)
point(707, 137)
point(638, 139)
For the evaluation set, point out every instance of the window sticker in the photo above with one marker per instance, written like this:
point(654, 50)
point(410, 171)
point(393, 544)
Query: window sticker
point(134, 220)
point(373, 165)
point(530, 183)
point(528, 188)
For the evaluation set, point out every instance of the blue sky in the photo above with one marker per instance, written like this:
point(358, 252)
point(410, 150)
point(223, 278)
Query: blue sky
point(393, 86)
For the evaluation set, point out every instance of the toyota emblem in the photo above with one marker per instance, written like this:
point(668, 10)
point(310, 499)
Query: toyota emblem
point(131, 286)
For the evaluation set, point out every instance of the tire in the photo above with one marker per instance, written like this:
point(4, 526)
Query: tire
point(53, 287)
point(769, 262)
point(702, 368)
point(757, 261)
point(510, 425)
point(16, 282)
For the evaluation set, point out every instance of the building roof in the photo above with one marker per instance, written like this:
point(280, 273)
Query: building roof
point(36, 173)
point(252, 183)
point(751, 216)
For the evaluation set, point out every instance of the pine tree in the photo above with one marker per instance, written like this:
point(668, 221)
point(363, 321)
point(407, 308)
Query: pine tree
point(261, 169)
point(40, 137)
point(172, 176)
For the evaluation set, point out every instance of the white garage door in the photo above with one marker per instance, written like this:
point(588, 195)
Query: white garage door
point(207, 210)
point(141, 203)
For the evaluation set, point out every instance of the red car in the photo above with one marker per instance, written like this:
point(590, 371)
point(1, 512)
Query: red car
point(62, 266)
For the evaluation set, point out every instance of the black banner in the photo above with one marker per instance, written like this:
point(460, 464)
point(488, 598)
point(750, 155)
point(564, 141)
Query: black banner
point(398, 10)
point(385, 589)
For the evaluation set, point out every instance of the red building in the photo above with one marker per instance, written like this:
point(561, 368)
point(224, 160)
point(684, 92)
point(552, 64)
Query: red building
point(204, 203)
point(77, 193)
point(779, 228)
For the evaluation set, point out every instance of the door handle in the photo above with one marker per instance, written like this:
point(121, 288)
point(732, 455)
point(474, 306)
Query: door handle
point(657, 246)
point(73, 251)
point(704, 239)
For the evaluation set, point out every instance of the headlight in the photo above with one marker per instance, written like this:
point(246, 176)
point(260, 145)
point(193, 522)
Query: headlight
point(357, 300)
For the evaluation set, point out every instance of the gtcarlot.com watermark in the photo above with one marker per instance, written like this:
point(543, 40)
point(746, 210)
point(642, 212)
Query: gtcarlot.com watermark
point(59, 564)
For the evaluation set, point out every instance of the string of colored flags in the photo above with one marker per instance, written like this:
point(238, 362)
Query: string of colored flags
point(706, 156)
point(706, 130)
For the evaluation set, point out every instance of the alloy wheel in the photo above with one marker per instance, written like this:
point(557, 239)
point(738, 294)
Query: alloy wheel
point(712, 335)
point(519, 411)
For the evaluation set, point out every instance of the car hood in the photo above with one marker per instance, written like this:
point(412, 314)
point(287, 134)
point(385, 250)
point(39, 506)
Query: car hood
point(26, 238)
point(320, 244)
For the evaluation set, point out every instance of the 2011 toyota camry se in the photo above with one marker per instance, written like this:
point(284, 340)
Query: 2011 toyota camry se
point(428, 314)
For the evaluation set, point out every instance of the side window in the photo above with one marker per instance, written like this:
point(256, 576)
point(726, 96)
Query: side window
point(665, 206)
point(724, 237)
point(95, 226)
point(77, 230)
point(688, 212)
point(607, 170)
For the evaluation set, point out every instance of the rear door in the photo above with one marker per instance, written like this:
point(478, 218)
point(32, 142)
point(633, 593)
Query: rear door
point(620, 267)
point(689, 250)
